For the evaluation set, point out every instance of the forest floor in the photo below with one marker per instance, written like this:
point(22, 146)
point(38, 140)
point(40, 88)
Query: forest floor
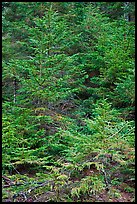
point(119, 186)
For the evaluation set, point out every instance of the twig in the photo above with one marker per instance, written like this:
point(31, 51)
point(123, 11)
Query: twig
point(15, 169)
point(25, 194)
point(120, 130)
point(13, 184)
point(7, 180)
point(40, 185)
point(105, 178)
point(116, 132)
point(20, 194)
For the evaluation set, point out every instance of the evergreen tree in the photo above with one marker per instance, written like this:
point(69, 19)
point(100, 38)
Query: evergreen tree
point(68, 85)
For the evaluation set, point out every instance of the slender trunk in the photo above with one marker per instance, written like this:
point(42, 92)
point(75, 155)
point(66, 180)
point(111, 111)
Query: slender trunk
point(14, 90)
point(49, 29)
point(40, 67)
point(126, 13)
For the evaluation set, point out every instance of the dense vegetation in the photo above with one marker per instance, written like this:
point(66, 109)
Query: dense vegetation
point(68, 85)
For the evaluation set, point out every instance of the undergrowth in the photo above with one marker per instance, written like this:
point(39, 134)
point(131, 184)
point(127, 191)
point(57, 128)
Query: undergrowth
point(72, 164)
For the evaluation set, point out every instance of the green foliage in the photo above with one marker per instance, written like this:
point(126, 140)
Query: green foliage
point(22, 140)
point(68, 99)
